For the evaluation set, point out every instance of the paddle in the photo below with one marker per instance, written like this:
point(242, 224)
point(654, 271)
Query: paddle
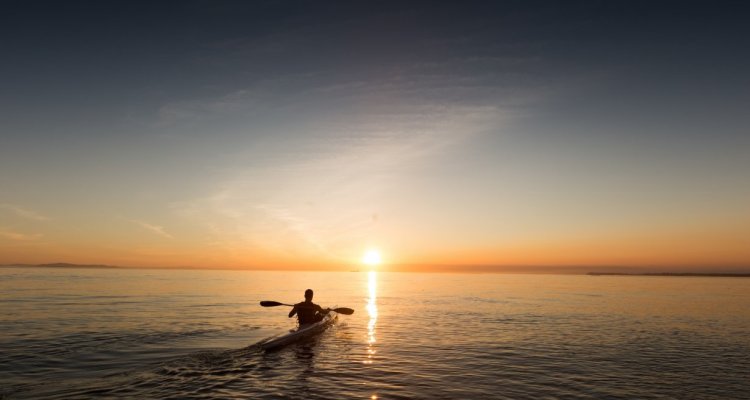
point(342, 310)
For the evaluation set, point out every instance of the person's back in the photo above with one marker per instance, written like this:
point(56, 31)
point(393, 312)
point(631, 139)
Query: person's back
point(307, 312)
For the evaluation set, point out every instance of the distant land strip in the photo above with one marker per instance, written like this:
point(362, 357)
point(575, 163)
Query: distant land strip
point(62, 265)
point(698, 274)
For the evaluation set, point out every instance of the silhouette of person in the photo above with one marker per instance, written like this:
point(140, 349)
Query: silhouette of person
point(307, 311)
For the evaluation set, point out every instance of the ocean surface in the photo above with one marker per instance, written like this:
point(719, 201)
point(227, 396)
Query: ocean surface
point(121, 333)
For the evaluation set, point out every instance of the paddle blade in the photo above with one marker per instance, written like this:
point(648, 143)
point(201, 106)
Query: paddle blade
point(344, 310)
point(266, 303)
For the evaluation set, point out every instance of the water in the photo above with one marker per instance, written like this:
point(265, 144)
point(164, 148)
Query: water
point(82, 333)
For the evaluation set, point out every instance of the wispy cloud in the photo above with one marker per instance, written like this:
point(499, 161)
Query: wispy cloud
point(190, 111)
point(300, 226)
point(20, 237)
point(317, 193)
point(159, 230)
point(23, 212)
point(318, 154)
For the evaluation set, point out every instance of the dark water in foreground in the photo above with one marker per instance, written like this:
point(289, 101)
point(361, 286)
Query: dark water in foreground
point(189, 334)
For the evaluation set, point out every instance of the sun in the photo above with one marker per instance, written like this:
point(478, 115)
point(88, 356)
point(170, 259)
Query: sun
point(371, 257)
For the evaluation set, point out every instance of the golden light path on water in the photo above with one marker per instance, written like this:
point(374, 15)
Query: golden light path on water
point(372, 311)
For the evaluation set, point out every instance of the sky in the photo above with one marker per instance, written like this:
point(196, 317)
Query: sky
point(302, 134)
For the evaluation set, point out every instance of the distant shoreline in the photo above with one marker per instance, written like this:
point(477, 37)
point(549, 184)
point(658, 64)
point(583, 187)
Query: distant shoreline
point(695, 274)
point(60, 265)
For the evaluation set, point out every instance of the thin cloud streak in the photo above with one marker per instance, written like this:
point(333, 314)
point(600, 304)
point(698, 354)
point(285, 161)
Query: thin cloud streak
point(23, 212)
point(20, 237)
point(159, 230)
point(300, 226)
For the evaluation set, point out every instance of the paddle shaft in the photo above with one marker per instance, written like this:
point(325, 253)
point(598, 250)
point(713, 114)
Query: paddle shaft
point(341, 310)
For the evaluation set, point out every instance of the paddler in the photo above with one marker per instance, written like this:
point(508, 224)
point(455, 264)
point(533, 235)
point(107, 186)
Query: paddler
point(307, 311)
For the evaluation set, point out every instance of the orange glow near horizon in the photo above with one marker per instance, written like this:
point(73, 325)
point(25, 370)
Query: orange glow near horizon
point(708, 246)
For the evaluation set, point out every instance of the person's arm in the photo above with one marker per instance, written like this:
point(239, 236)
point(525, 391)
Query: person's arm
point(294, 311)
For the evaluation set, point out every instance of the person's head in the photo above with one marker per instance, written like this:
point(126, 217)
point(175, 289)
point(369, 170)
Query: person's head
point(308, 294)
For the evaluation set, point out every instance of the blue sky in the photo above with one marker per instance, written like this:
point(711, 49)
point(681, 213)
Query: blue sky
point(289, 134)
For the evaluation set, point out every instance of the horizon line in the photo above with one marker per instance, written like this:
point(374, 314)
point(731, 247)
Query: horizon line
point(438, 268)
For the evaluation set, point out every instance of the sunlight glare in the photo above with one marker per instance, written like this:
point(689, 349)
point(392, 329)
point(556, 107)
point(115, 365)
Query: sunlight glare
point(371, 257)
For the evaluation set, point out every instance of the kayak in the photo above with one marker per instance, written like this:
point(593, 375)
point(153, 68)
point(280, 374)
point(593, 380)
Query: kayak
point(303, 332)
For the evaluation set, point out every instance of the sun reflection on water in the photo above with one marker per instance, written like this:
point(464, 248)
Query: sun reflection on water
point(372, 311)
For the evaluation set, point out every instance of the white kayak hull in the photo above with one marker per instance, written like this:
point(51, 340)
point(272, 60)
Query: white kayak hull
point(301, 333)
